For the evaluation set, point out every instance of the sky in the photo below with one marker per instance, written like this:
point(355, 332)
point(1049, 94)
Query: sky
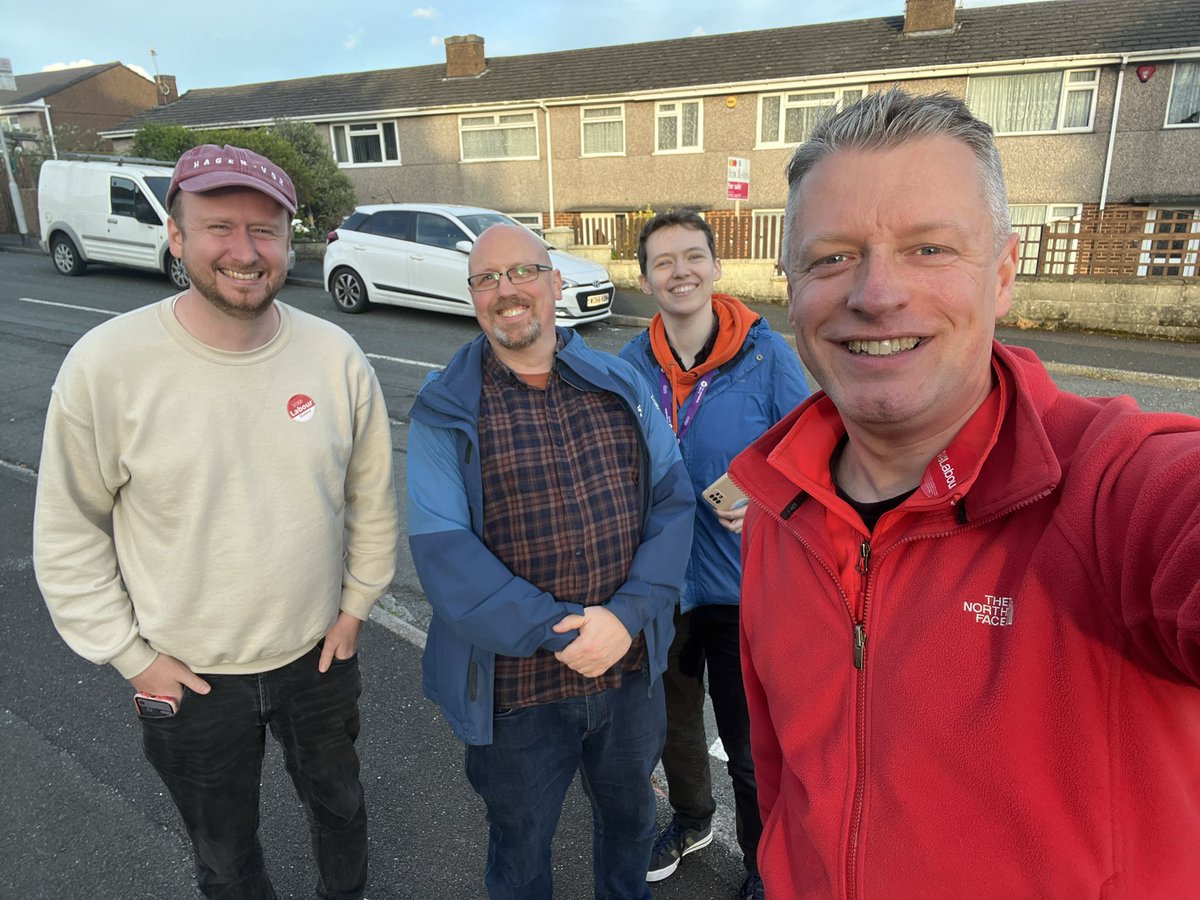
point(217, 44)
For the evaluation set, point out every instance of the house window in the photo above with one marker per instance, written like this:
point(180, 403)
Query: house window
point(365, 144)
point(498, 136)
point(787, 119)
point(1036, 102)
point(531, 220)
point(1051, 227)
point(677, 127)
point(1184, 108)
point(603, 130)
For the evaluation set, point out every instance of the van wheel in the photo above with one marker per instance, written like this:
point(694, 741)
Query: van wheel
point(66, 255)
point(348, 291)
point(176, 271)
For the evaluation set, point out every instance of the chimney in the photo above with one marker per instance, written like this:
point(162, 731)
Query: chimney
point(928, 16)
point(464, 56)
point(167, 90)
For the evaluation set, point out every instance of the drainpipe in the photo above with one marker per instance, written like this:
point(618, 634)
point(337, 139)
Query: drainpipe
point(1112, 133)
point(49, 129)
point(549, 160)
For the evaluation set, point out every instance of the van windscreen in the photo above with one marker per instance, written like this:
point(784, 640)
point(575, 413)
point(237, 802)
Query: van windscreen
point(159, 184)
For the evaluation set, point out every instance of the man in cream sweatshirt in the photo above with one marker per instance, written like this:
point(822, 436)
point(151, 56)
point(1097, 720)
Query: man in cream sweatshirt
point(215, 518)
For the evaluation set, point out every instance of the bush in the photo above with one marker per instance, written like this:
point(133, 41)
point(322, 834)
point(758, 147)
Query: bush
point(323, 192)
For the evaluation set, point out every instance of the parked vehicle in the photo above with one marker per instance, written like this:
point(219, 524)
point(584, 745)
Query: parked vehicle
point(107, 210)
point(415, 254)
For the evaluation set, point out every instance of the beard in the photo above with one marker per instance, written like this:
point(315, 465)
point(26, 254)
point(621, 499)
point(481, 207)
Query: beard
point(206, 285)
point(518, 341)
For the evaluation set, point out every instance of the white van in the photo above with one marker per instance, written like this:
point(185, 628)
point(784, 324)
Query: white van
point(107, 210)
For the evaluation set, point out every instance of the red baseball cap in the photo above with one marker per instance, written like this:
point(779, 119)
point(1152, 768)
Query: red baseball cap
point(208, 167)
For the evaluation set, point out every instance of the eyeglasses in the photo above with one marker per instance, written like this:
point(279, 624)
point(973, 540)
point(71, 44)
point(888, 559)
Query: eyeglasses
point(489, 281)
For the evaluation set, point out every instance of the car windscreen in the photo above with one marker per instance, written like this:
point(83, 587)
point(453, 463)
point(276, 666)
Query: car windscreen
point(478, 223)
point(159, 184)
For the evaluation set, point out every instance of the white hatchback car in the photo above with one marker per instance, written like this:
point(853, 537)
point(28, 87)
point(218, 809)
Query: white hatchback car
point(415, 254)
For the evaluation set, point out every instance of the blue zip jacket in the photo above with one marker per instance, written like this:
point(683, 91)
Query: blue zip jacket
point(747, 395)
point(480, 607)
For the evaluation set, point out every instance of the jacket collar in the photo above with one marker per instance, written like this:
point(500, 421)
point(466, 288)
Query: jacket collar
point(450, 396)
point(1013, 463)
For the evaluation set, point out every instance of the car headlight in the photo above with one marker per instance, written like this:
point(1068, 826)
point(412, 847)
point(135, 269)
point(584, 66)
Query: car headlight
point(570, 283)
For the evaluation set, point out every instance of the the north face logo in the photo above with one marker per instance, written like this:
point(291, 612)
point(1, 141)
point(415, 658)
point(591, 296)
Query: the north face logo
point(992, 610)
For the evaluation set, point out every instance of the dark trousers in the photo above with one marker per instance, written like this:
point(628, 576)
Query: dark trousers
point(614, 739)
point(707, 636)
point(210, 755)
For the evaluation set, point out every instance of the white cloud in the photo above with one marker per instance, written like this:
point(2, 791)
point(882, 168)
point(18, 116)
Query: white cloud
point(698, 31)
point(80, 63)
point(424, 12)
point(352, 41)
point(437, 41)
point(58, 67)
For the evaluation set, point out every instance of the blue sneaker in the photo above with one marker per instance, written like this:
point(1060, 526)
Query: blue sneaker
point(672, 844)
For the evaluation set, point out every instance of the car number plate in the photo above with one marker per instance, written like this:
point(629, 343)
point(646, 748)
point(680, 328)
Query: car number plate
point(591, 301)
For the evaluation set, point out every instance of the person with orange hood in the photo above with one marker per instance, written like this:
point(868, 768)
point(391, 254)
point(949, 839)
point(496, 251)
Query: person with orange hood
point(722, 377)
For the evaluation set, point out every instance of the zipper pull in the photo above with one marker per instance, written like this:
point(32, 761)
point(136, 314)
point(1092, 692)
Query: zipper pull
point(860, 644)
point(864, 554)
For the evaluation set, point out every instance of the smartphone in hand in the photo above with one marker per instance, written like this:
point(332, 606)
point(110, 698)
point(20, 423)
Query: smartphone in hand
point(724, 495)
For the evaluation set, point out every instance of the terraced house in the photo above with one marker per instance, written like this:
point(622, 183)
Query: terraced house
point(1096, 104)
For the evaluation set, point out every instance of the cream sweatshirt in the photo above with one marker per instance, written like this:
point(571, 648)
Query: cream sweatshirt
point(220, 507)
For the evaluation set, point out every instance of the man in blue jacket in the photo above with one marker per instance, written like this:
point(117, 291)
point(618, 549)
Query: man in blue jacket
point(723, 378)
point(550, 521)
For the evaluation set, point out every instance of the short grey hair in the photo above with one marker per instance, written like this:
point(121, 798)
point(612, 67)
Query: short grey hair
point(883, 120)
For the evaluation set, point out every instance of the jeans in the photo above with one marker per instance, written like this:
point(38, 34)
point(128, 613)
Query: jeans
point(614, 738)
point(210, 755)
point(708, 636)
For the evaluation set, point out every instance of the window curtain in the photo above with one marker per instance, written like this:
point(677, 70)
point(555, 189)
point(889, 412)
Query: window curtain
point(1185, 94)
point(604, 137)
point(1013, 103)
point(499, 143)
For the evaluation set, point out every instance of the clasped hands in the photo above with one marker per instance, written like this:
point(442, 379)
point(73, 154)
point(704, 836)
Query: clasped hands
point(602, 641)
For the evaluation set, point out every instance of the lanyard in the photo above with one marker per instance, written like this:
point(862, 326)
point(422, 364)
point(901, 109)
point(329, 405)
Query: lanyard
point(666, 394)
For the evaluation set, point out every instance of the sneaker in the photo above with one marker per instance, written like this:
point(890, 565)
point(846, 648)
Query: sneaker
point(752, 888)
point(672, 844)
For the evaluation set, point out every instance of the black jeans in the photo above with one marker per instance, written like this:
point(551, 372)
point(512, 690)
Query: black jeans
point(210, 754)
point(707, 636)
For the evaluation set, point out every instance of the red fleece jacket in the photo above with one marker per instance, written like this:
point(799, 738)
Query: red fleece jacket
point(1026, 718)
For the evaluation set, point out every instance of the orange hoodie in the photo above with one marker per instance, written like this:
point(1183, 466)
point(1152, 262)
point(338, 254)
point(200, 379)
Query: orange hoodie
point(734, 319)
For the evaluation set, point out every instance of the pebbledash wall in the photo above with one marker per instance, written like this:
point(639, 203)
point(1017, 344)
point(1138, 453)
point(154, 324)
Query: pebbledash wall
point(1159, 309)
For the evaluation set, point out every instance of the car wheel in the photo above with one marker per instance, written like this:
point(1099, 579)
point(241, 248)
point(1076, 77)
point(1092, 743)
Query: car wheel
point(348, 291)
point(176, 271)
point(66, 255)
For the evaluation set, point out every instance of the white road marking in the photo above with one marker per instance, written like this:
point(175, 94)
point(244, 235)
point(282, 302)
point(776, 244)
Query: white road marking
point(406, 362)
point(19, 469)
point(91, 309)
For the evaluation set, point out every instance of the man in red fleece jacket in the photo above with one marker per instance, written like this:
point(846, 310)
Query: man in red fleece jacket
point(971, 601)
